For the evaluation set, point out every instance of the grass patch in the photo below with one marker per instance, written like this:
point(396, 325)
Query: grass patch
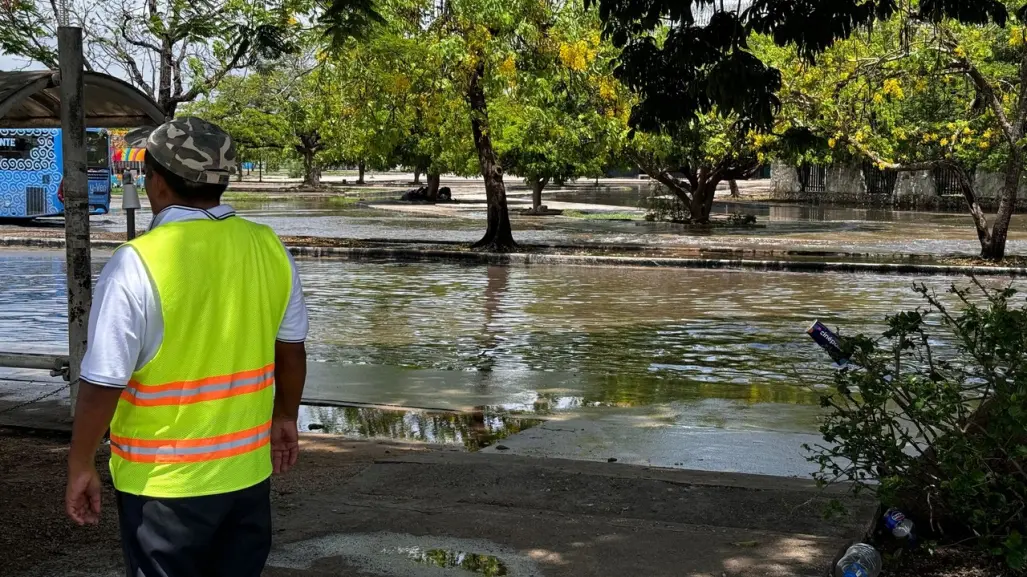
point(342, 200)
point(241, 195)
point(602, 215)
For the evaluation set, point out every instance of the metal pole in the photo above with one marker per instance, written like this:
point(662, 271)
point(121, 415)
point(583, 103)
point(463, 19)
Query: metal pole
point(33, 361)
point(76, 199)
point(129, 202)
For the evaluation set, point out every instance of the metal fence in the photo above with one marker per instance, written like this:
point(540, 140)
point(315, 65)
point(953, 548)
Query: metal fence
point(947, 181)
point(813, 178)
point(880, 182)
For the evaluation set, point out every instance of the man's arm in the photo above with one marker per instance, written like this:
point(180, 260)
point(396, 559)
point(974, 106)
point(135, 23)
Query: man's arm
point(290, 376)
point(94, 410)
point(117, 323)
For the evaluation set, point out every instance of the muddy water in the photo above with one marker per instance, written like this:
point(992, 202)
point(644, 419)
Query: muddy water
point(784, 226)
point(503, 344)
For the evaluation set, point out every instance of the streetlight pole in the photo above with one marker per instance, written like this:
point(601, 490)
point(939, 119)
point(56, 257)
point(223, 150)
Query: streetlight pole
point(76, 195)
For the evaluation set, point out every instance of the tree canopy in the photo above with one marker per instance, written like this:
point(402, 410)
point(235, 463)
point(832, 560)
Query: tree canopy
point(704, 46)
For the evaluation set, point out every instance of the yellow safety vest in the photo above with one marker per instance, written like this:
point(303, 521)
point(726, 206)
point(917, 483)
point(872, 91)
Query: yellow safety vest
point(195, 419)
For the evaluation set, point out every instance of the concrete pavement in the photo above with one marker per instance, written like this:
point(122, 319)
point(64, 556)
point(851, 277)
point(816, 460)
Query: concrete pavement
point(462, 514)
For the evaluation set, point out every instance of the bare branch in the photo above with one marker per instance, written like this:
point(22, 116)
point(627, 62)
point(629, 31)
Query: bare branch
point(125, 19)
point(211, 81)
point(680, 189)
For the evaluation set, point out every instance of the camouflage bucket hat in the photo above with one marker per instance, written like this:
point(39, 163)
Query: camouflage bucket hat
point(190, 147)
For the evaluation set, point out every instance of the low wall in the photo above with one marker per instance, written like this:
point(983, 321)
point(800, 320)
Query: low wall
point(846, 184)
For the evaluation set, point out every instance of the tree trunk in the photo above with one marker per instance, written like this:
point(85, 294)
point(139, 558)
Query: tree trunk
point(995, 249)
point(360, 172)
point(311, 173)
point(309, 144)
point(701, 206)
point(499, 233)
point(537, 185)
point(735, 193)
point(434, 180)
point(417, 176)
point(260, 170)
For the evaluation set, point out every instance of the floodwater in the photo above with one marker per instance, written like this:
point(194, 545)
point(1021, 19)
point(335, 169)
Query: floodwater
point(877, 231)
point(506, 347)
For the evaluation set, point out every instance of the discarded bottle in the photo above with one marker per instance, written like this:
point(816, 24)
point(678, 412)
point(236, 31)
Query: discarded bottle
point(861, 560)
point(828, 341)
point(897, 523)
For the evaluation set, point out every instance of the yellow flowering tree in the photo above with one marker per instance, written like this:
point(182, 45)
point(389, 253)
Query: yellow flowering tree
point(920, 95)
point(563, 115)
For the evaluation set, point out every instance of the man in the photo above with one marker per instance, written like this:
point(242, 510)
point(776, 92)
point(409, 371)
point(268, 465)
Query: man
point(196, 362)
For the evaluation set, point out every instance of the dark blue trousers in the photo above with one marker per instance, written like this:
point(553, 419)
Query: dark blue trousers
point(227, 535)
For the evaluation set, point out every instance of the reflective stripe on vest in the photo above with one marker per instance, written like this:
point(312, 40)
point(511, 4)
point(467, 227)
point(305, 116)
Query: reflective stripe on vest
point(193, 450)
point(195, 419)
point(209, 389)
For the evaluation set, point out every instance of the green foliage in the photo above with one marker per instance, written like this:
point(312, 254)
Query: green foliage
point(903, 93)
point(250, 112)
point(937, 423)
point(562, 115)
point(688, 59)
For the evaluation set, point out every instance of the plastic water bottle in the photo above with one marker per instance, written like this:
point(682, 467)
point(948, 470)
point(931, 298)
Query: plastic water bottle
point(897, 523)
point(861, 560)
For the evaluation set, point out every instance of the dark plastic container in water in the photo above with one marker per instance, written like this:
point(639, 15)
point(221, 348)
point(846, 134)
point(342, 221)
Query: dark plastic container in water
point(828, 341)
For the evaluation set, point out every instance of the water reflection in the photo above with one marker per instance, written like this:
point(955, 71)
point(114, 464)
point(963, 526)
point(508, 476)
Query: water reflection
point(472, 430)
point(533, 340)
point(487, 565)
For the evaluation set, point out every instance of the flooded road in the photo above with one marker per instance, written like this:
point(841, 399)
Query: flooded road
point(708, 347)
point(879, 231)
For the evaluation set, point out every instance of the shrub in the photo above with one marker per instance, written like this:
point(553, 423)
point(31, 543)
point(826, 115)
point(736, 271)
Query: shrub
point(936, 424)
point(662, 206)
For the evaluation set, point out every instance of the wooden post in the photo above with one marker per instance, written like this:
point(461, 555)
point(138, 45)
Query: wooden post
point(76, 199)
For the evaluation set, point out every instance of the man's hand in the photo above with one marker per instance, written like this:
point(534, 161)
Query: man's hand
point(285, 444)
point(82, 496)
point(93, 412)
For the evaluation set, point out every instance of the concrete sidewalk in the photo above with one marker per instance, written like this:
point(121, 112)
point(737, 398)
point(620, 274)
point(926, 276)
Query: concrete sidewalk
point(487, 514)
point(397, 510)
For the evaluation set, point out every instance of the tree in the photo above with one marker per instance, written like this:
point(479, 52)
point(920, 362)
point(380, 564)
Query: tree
point(173, 50)
point(708, 151)
point(916, 95)
point(563, 115)
point(245, 108)
point(686, 59)
point(705, 48)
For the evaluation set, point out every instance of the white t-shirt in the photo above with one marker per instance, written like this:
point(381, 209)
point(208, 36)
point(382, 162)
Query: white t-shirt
point(126, 326)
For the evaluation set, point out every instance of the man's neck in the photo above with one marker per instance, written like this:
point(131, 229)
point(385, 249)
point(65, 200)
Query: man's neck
point(202, 205)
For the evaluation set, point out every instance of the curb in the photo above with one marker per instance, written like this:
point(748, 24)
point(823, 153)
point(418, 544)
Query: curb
point(465, 256)
point(366, 253)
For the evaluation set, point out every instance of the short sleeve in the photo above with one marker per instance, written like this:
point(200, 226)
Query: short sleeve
point(117, 321)
point(295, 324)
